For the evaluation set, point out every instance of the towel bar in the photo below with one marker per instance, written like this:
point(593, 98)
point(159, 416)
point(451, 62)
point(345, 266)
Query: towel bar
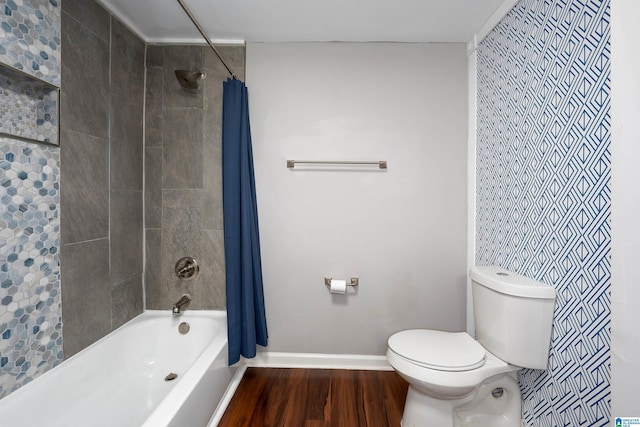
point(382, 164)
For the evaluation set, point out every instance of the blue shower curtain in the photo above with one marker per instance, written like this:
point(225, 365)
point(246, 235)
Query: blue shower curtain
point(246, 321)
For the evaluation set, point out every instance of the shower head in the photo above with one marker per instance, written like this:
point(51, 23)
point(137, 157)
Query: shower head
point(189, 79)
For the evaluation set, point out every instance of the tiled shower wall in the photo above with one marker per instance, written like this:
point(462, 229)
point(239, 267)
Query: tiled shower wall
point(96, 175)
point(30, 326)
point(101, 105)
point(101, 178)
point(543, 195)
point(101, 200)
point(183, 181)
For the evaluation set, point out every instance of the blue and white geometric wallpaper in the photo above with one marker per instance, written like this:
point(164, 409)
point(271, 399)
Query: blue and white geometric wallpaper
point(543, 190)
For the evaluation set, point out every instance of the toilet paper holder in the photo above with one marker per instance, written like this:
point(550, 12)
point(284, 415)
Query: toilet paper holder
point(354, 281)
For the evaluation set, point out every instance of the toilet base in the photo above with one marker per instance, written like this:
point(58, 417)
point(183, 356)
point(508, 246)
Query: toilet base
point(421, 410)
point(478, 409)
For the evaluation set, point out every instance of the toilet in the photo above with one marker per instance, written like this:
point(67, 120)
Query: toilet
point(456, 380)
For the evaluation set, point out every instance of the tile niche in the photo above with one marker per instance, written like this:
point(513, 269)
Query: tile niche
point(29, 110)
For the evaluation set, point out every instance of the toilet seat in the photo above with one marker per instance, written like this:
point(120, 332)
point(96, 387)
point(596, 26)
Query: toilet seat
point(438, 350)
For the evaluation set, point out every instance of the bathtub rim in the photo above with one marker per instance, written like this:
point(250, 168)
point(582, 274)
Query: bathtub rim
point(146, 314)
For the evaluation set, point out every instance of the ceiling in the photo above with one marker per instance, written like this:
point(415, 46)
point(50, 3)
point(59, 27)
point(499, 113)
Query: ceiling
point(236, 21)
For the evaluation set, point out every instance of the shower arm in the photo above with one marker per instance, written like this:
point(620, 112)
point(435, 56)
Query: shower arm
point(204, 35)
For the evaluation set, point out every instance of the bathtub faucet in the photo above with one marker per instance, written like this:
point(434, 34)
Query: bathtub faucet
point(182, 303)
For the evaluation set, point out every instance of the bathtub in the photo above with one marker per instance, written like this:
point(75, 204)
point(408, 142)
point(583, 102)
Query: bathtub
point(120, 380)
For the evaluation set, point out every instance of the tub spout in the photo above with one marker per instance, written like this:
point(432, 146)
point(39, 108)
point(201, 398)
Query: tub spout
point(182, 304)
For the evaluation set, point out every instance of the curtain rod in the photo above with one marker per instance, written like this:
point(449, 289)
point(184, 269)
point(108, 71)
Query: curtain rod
point(204, 35)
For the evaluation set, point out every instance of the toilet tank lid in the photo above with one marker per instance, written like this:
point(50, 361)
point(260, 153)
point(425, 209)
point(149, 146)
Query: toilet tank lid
point(509, 283)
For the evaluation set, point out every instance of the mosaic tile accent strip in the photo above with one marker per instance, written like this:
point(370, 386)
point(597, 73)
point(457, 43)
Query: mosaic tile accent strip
point(30, 304)
point(30, 37)
point(543, 190)
point(28, 109)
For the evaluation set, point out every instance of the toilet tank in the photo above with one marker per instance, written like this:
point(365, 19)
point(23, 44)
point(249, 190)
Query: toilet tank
point(513, 316)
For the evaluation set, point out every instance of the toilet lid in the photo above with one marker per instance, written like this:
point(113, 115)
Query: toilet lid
point(443, 351)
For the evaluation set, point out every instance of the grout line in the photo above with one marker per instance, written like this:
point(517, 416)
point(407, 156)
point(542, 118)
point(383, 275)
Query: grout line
point(109, 121)
point(85, 241)
point(144, 180)
point(82, 24)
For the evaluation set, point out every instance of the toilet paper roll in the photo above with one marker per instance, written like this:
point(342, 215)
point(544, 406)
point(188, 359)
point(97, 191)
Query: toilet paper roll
point(338, 286)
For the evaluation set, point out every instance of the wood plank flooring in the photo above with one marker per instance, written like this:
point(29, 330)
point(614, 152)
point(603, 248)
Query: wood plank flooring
point(269, 397)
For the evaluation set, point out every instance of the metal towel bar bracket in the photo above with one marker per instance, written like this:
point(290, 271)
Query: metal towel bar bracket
point(382, 164)
point(354, 281)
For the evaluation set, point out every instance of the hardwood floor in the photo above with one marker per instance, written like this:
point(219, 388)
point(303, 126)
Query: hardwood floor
point(316, 398)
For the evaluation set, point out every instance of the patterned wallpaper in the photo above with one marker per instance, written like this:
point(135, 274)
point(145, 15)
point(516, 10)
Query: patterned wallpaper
point(30, 301)
point(543, 190)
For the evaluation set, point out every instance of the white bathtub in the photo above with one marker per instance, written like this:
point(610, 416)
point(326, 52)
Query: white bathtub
point(120, 380)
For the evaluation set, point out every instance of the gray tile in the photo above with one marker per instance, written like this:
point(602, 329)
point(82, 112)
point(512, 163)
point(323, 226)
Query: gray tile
point(153, 108)
point(212, 127)
point(154, 55)
point(127, 105)
point(126, 146)
point(84, 187)
point(181, 58)
point(153, 188)
point(211, 290)
point(212, 156)
point(213, 89)
point(213, 109)
point(90, 14)
point(153, 283)
point(191, 160)
point(127, 64)
point(86, 290)
point(126, 235)
point(234, 56)
point(182, 214)
point(213, 217)
point(126, 301)
point(182, 148)
point(84, 98)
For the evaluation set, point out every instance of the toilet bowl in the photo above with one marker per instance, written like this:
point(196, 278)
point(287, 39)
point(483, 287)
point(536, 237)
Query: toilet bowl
point(458, 381)
point(453, 381)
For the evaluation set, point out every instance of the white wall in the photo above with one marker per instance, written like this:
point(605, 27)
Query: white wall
point(625, 205)
point(402, 232)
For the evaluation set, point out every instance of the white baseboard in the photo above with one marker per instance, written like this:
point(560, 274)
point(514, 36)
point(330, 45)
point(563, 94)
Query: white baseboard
point(319, 361)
